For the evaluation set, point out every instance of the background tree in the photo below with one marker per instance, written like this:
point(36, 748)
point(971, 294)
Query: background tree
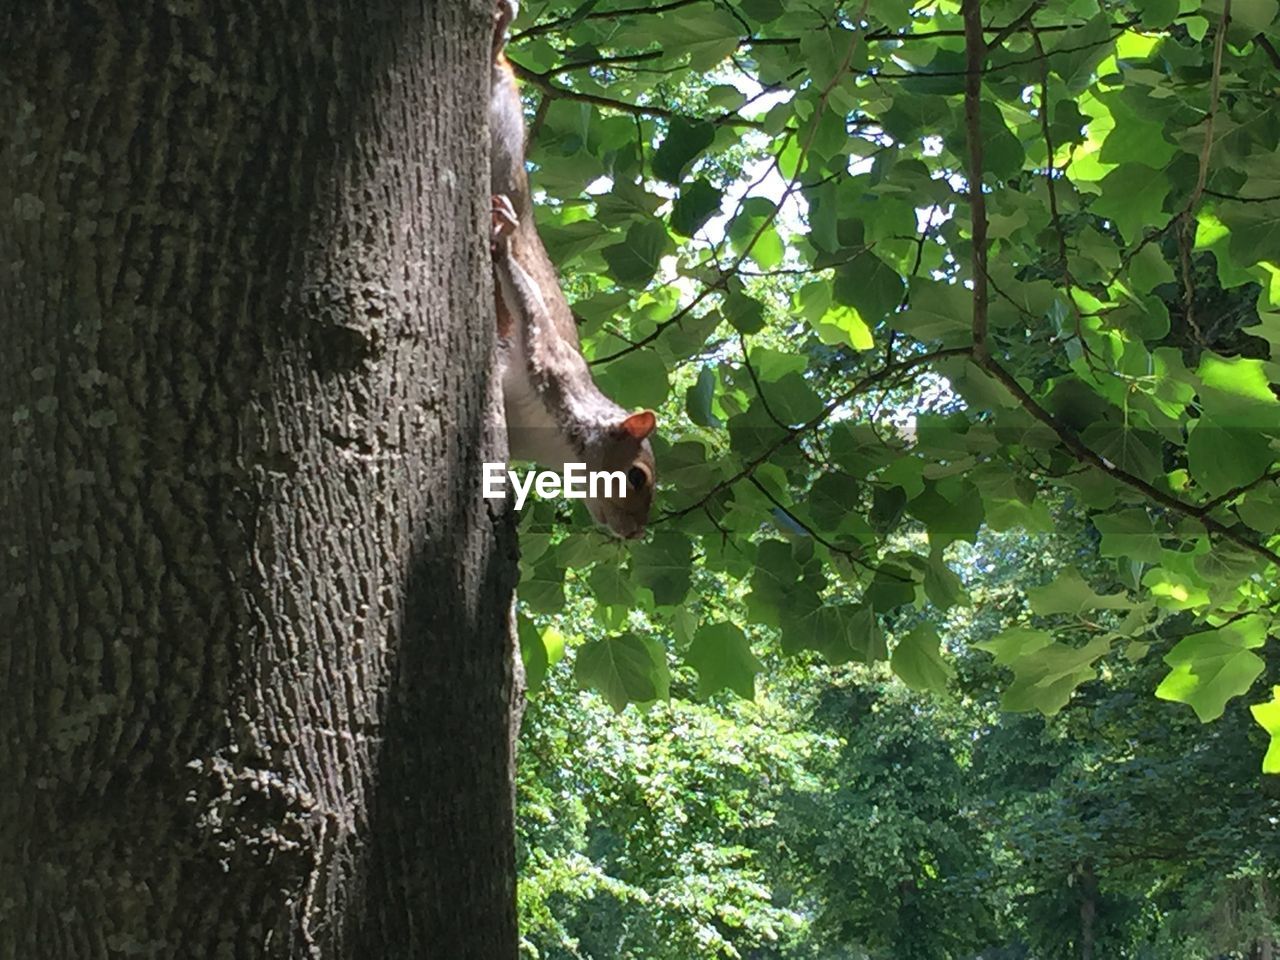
point(257, 673)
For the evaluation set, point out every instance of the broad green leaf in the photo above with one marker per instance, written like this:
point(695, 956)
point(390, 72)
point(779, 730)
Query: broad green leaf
point(533, 653)
point(862, 634)
point(699, 397)
point(698, 202)
point(1255, 230)
point(684, 141)
point(542, 588)
point(722, 656)
point(1148, 269)
point(753, 232)
point(707, 34)
point(1135, 451)
point(936, 311)
point(1157, 13)
point(1044, 679)
point(918, 661)
point(844, 325)
point(1133, 197)
point(1209, 668)
point(941, 584)
point(1129, 534)
point(949, 518)
point(611, 586)
point(624, 669)
point(1253, 16)
point(1268, 717)
point(745, 313)
point(1014, 643)
point(1221, 457)
point(636, 381)
point(869, 285)
point(792, 400)
point(1068, 593)
point(663, 564)
point(780, 590)
point(634, 262)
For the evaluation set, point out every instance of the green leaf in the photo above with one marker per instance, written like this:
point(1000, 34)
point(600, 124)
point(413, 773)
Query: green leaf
point(844, 325)
point(1268, 717)
point(1003, 155)
point(1157, 13)
point(698, 202)
point(662, 563)
point(722, 656)
point(869, 285)
point(941, 585)
point(753, 232)
point(625, 669)
point(1221, 457)
point(1068, 593)
point(891, 587)
point(542, 588)
point(611, 586)
point(1131, 449)
point(634, 262)
point(776, 585)
point(625, 204)
point(792, 400)
point(864, 636)
point(1045, 678)
point(1133, 198)
point(533, 653)
point(1015, 643)
point(1148, 269)
point(1253, 16)
point(1075, 53)
point(1136, 137)
point(699, 397)
point(1129, 534)
point(707, 34)
point(936, 311)
point(636, 381)
point(1211, 667)
point(684, 141)
point(917, 660)
point(951, 518)
point(746, 314)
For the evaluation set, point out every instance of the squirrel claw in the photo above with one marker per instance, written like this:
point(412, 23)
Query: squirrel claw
point(504, 216)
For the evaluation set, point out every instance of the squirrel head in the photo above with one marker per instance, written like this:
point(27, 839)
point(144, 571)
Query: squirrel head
point(623, 447)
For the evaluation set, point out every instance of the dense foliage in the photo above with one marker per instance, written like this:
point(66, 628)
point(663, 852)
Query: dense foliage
point(962, 328)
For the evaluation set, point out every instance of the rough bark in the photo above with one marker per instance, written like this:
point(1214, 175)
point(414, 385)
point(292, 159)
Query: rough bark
point(256, 656)
point(1087, 881)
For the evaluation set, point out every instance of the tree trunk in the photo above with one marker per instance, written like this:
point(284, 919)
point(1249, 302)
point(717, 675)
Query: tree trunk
point(256, 635)
point(1088, 882)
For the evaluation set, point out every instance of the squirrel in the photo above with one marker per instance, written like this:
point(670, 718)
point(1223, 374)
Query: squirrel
point(555, 413)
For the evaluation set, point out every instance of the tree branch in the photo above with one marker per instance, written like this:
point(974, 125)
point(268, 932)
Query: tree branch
point(885, 373)
point(975, 58)
point(544, 83)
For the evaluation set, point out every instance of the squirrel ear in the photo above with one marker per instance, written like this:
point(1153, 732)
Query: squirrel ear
point(639, 425)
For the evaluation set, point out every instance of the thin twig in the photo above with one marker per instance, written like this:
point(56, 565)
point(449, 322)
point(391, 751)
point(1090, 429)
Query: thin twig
point(544, 83)
point(975, 57)
point(1188, 218)
point(867, 383)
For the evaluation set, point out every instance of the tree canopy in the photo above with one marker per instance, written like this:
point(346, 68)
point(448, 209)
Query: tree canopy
point(897, 275)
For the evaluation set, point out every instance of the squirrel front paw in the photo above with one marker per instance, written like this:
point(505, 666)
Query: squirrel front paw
point(504, 12)
point(505, 220)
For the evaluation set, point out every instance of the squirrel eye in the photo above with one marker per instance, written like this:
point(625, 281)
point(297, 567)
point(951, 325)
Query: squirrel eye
point(637, 477)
